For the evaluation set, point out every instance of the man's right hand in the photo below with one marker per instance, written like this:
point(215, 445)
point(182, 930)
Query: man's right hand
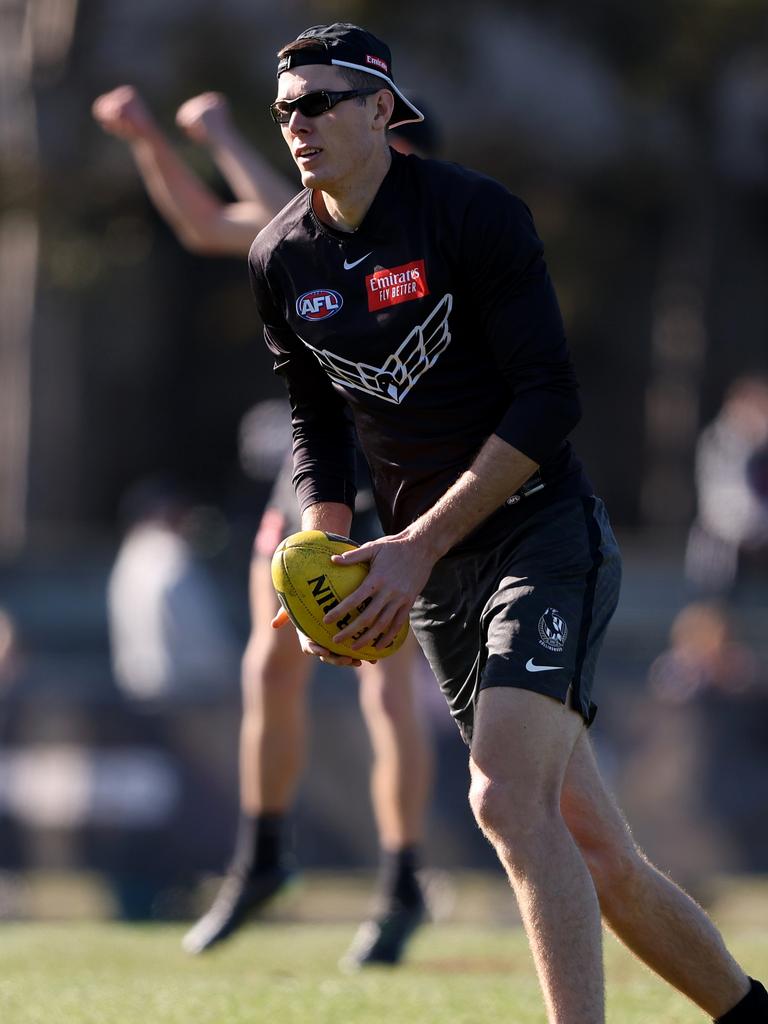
point(122, 112)
point(205, 118)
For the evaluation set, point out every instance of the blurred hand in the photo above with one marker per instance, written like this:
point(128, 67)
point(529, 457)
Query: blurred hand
point(310, 647)
point(205, 118)
point(122, 112)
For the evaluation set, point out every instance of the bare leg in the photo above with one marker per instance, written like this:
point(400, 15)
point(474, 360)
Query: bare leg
point(274, 724)
point(654, 918)
point(272, 747)
point(521, 748)
point(402, 760)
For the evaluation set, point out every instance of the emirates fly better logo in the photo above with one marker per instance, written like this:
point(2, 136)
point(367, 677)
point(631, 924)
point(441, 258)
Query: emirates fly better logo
point(395, 285)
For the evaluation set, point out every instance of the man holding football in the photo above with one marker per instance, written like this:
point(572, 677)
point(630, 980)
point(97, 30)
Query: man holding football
point(411, 298)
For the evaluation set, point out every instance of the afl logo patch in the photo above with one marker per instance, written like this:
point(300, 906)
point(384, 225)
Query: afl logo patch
point(553, 631)
point(318, 304)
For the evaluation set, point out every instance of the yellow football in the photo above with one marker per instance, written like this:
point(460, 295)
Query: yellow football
point(309, 585)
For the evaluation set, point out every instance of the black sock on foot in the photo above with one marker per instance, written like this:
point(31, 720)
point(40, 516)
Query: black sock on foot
point(753, 1008)
point(259, 843)
point(398, 884)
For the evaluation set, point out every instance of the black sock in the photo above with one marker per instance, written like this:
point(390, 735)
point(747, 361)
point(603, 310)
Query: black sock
point(398, 884)
point(259, 843)
point(753, 1008)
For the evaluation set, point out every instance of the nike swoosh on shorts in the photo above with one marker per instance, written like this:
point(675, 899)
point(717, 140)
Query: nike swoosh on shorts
point(540, 668)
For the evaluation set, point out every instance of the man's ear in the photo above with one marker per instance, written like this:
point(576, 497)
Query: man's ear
point(385, 104)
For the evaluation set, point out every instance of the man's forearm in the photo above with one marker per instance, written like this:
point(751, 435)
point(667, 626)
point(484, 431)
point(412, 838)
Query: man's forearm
point(497, 472)
point(401, 563)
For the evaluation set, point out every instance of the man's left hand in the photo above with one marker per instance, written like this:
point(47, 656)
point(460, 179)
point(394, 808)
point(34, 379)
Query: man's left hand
point(400, 568)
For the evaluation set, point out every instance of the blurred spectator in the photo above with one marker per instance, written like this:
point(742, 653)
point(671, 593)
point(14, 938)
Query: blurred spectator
point(9, 658)
point(264, 439)
point(732, 486)
point(702, 770)
point(703, 655)
point(168, 634)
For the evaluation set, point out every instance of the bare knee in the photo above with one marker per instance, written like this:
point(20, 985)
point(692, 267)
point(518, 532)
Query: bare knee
point(512, 817)
point(486, 802)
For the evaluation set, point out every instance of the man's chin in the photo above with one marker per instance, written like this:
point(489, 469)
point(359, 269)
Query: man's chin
point(311, 179)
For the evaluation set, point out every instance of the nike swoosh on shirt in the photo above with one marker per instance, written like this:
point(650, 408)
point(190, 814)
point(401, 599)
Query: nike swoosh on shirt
point(351, 266)
point(540, 668)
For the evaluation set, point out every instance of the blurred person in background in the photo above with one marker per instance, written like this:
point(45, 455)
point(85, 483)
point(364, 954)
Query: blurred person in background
point(703, 655)
point(495, 545)
point(730, 532)
point(9, 651)
point(169, 637)
point(721, 686)
point(275, 672)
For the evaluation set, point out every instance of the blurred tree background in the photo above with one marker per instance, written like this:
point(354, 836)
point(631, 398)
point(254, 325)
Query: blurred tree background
point(637, 134)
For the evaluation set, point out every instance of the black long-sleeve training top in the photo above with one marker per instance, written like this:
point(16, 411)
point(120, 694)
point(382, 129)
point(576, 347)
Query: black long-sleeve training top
point(435, 323)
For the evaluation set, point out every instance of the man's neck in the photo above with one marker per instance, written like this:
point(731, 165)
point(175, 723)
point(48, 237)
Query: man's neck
point(346, 206)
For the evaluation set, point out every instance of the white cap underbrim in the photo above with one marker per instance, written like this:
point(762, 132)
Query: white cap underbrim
point(406, 103)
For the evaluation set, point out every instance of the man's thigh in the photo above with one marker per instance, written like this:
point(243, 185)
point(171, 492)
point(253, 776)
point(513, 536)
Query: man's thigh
point(523, 742)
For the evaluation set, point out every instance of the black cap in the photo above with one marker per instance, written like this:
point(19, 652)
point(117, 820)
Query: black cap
point(349, 46)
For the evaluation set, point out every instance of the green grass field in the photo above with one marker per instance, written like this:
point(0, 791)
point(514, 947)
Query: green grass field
point(109, 973)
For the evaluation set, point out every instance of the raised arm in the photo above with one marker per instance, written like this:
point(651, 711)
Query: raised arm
point(199, 219)
point(207, 120)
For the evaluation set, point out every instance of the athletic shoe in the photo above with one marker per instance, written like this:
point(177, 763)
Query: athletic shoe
point(382, 940)
point(237, 900)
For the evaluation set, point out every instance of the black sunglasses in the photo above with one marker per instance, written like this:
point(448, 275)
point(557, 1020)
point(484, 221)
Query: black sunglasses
point(312, 104)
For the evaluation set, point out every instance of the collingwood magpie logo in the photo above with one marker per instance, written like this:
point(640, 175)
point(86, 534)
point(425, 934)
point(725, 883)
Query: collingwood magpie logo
point(553, 631)
point(392, 381)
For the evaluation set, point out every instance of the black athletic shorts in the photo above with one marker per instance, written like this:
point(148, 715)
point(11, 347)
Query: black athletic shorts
point(281, 516)
point(528, 611)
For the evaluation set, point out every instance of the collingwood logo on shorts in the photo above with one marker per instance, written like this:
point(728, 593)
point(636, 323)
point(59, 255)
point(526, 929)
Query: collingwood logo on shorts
point(553, 632)
point(392, 381)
